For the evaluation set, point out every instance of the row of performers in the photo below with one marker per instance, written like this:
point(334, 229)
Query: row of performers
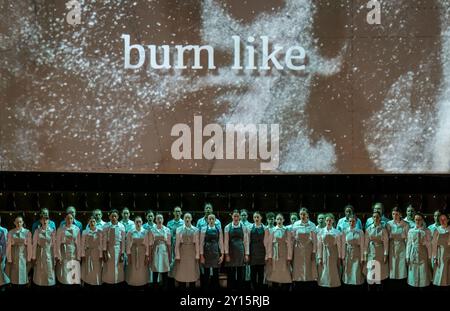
point(280, 255)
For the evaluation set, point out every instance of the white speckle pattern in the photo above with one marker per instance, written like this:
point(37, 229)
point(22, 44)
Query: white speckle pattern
point(398, 135)
point(67, 103)
point(407, 135)
point(441, 142)
point(275, 97)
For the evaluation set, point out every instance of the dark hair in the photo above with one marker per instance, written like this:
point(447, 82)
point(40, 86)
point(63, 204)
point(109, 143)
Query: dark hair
point(257, 212)
point(396, 209)
point(148, 212)
point(270, 215)
point(350, 207)
point(235, 211)
point(419, 214)
point(113, 211)
point(303, 209)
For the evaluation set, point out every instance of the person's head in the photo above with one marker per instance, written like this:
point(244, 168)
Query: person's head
point(159, 219)
point(293, 217)
point(138, 222)
point(18, 222)
point(378, 207)
point(208, 208)
point(150, 216)
point(279, 219)
point(443, 220)
point(244, 215)
point(92, 222)
point(329, 220)
point(187, 219)
point(418, 219)
point(257, 218)
point(177, 212)
point(44, 213)
point(396, 215)
point(321, 220)
point(348, 211)
point(410, 211)
point(125, 213)
point(97, 214)
point(352, 221)
point(44, 221)
point(236, 216)
point(303, 214)
point(212, 220)
point(270, 217)
point(376, 216)
point(71, 210)
point(436, 216)
point(114, 216)
point(69, 219)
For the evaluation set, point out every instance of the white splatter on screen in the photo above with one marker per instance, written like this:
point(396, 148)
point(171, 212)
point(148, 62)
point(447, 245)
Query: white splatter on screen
point(372, 98)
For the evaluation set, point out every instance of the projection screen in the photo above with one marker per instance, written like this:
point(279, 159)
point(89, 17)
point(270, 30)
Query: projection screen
point(225, 86)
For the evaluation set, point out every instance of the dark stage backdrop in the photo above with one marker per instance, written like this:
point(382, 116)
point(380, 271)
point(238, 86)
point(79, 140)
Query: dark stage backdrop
point(371, 98)
point(28, 192)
